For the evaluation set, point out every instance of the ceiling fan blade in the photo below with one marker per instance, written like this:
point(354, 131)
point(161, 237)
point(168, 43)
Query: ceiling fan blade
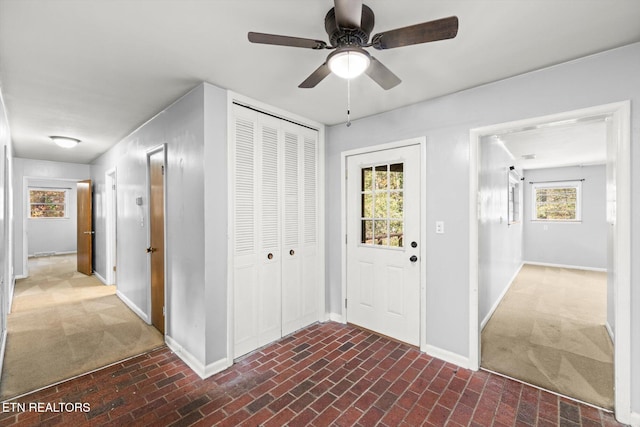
point(316, 77)
point(285, 41)
point(382, 75)
point(440, 29)
point(348, 13)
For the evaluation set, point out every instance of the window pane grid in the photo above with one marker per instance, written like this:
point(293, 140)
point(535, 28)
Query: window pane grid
point(382, 197)
point(557, 203)
point(47, 203)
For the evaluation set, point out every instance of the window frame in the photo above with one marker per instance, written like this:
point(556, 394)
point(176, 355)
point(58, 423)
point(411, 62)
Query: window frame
point(577, 184)
point(57, 189)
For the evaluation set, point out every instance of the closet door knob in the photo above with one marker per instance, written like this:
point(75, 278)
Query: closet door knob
point(292, 252)
point(270, 256)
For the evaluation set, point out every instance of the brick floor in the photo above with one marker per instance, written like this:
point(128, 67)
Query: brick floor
point(326, 374)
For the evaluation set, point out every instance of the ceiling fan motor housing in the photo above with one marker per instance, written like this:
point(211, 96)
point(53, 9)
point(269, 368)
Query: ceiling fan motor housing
point(349, 36)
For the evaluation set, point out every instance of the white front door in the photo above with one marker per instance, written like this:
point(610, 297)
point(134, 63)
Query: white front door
point(383, 242)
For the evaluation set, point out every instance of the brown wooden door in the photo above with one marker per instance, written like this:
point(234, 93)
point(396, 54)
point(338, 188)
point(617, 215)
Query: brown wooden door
point(156, 238)
point(84, 228)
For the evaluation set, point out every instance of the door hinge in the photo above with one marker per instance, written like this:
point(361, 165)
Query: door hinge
point(346, 239)
point(114, 268)
point(162, 168)
point(163, 310)
point(345, 303)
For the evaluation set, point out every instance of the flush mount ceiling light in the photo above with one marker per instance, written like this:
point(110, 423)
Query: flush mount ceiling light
point(65, 141)
point(349, 62)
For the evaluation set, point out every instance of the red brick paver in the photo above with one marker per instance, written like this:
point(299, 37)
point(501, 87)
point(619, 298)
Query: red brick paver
point(325, 375)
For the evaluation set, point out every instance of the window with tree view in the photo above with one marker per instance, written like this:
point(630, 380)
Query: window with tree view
point(558, 201)
point(382, 213)
point(47, 203)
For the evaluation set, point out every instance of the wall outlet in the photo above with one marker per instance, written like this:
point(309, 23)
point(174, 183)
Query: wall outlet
point(439, 227)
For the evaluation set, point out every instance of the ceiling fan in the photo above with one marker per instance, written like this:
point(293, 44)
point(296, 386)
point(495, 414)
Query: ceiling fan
point(349, 24)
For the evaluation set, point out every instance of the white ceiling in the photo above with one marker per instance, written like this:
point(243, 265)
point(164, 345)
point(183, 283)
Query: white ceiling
point(559, 144)
point(96, 70)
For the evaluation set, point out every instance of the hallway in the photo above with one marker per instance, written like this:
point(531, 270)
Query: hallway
point(325, 374)
point(64, 323)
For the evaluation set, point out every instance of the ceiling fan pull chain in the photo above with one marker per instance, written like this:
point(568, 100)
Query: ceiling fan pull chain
point(348, 102)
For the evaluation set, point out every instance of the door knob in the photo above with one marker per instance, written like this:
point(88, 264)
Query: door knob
point(292, 252)
point(150, 249)
point(413, 258)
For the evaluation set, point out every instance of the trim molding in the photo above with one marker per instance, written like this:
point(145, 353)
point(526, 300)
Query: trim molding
point(337, 317)
point(447, 356)
point(133, 307)
point(573, 267)
point(203, 371)
point(610, 332)
point(3, 347)
point(11, 291)
point(499, 300)
point(634, 419)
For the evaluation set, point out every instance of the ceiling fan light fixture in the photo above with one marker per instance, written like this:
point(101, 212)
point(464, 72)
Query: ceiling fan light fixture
point(65, 141)
point(349, 62)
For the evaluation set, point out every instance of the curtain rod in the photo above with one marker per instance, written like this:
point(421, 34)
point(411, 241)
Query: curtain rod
point(559, 180)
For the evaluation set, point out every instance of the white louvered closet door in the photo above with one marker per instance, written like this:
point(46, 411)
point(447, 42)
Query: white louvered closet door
point(275, 228)
point(299, 272)
point(270, 253)
point(245, 238)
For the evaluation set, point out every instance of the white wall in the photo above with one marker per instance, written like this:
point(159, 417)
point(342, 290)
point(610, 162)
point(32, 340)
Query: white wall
point(194, 131)
point(582, 244)
point(6, 226)
point(36, 169)
point(499, 243)
point(54, 235)
point(596, 80)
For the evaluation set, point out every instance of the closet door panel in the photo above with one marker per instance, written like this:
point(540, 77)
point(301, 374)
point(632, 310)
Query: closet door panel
point(291, 263)
point(245, 274)
point(311, 289)
point(270, 256)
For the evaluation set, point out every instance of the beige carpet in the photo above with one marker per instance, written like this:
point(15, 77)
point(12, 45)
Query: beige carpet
point(64, 323)
point(549, 331)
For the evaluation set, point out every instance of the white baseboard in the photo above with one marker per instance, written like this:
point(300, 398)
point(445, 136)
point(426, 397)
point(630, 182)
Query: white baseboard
point(634, 419)
point(193, 363)
point(141, 314)
point(336, 317)
point(3, 346)
point(610, 332)
point(11, 291)
point(447, 356)
point(502, 294)
point(102, 279)
point(573, 267)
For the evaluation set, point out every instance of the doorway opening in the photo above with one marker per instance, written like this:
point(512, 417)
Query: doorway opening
point(616, 119)
point(156, 161)
point(50, 220)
